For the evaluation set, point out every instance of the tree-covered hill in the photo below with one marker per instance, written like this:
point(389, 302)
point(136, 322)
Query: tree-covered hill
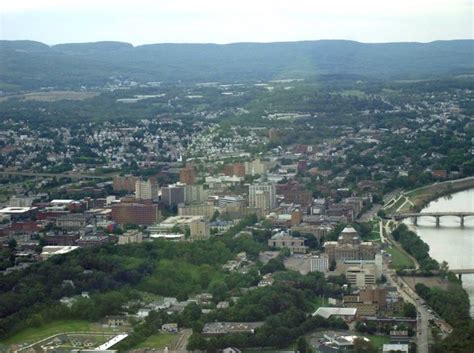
point(30, 65)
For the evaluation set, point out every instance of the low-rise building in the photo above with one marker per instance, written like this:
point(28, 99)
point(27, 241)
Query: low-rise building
point(169, 237)
point(94, 240)
point(395, 348)
point(170, 328)
point(52, 250)
point(319, 263)
point(73, 221)
point(284, 240)
point(361, 276)
point(135, 213)
point(130, 236)
point(347, 314)
point(223, 328)
point(197, 226)
point(199, 209)
point(349, 246)
point(317, 231)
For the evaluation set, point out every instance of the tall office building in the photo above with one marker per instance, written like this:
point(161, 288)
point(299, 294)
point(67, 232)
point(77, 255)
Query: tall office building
point(266, 191)
point(146, 190)
point(255, 167)
point(194, 194)
point(124, 183)
point(172, 194)
point(262, 202)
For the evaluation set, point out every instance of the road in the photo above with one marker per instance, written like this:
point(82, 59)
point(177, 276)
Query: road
point(58, 175)
point(425, 315)
point(422, 327)
point(368, 215)
point(182, 342)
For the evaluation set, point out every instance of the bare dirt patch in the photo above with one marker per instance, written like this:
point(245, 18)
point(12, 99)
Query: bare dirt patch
point(427, 281)
point(52, 96)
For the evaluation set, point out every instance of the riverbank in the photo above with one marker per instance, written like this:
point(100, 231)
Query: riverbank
point(450, 242)
point(421, 197)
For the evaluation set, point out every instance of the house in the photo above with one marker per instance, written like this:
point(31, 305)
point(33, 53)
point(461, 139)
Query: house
point(116, 320)
point(399, 348)
point(267, 280)
point(170, 328)
point(143, 313)
point(222, 305)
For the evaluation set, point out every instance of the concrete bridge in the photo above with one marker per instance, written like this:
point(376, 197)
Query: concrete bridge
point(463, 271)
point(436, 215)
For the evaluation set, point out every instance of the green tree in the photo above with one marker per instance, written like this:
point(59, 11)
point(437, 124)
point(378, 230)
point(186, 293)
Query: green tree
point(362, 345)
point(12, 244)
point(409, 310)
point(302, 345)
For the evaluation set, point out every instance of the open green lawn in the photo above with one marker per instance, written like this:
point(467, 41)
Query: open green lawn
point(159, 340)
point(396, 205)
point(34, 334)
point(378, 341)
point(399, 259)
point(375, 234)
point(318, 302)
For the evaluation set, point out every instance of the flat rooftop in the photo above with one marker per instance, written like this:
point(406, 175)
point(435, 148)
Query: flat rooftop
point(327, 312)
point(16, 210)
point(53, 249)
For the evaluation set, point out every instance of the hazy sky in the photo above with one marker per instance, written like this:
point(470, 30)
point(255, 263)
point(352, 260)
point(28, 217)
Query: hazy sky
point(227, 21)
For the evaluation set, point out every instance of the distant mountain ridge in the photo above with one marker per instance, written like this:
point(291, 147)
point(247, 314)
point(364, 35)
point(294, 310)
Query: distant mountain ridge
point(30, 64)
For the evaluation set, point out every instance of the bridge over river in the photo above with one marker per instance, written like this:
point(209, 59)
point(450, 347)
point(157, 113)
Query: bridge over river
point(436, 215)
point(462, 271)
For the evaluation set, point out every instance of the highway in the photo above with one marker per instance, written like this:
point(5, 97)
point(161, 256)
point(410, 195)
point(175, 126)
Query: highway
point(57, 175)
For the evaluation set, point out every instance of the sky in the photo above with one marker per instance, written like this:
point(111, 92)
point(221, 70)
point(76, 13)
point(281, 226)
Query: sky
point(229, 21)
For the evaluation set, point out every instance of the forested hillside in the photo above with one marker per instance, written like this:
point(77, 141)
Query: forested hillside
point(31, 65)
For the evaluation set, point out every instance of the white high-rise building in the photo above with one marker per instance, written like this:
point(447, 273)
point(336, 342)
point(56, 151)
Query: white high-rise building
point(257, 190)
point(194, 194)
point(255, 167)
point(146, 190)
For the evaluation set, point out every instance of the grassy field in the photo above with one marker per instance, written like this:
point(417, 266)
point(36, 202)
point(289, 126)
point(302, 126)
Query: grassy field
point(159, 340)
point(319, 301)
point(378, 341)
point(399, 259)
point(397, 204)
point(375, 234)
point(34, 334)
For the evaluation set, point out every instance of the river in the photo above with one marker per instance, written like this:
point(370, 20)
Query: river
point(450, 242)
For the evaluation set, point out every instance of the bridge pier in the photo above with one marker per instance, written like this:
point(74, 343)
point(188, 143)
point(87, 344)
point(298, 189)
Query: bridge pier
point(460, 277)
point(437, 215)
